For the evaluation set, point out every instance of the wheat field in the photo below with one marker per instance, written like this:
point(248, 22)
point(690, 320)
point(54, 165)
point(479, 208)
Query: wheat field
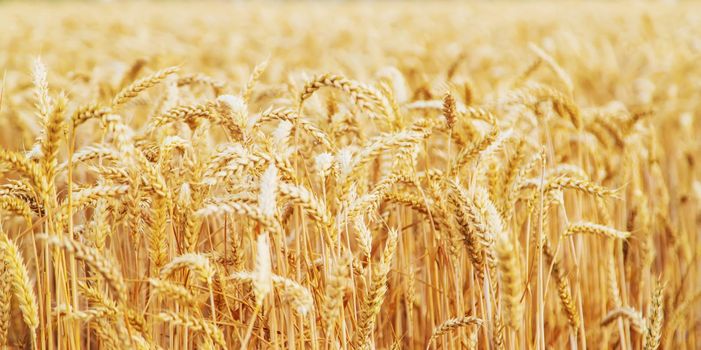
point(350, 175)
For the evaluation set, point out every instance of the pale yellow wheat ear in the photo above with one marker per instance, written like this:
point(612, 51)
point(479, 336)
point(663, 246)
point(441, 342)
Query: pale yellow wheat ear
point(336, 81)
point(158, 244)
point(132, 90)
point(292, 292)
point(449, 110)
point(595, 229)
point(258, 71)
point(5, 300)
point(53, 130)
point(263, 275)
point(88, 112)
point(563, 182)
point(16, 206)
point(197, 263)
point(322, 164)
point(363, 236)
point(635, 317)
point(233, 110)
point(452, 325)
point(101, 264)
point(267, 197)
point(337, 281)
point(512, 279)
point(311, 205)
point(376, 294)
point(22, 287)
point(471, 226)
point(28, 168)
point(289, 291)
point(655, 318)
point(41, 88)
point(172, 291)
point(563, 288)
point(390, 246)
point(202, 79)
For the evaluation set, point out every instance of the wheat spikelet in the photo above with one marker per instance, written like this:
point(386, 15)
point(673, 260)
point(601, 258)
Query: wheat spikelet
point(376, 295)
point(595, 229)
point(449, 111)
point(267, 200)
point(390, 246)
point(5, 301)
point(312, 206)
point(158, 249)
point(563, 289)
point(97, 298)
point(350, 87)
point(41, 88)
point(87, 196)
point(131, 91)
point(336, 284)
point(22, 287)
point(199, 78)
point(427, 207)
point(197, 263)
point(88, 112)
point(498, 335)
point(187, 114)
point(395, 141)
point(584, 186)
point(511, 280)
point(472, 229)
point(363, 236)
point(655, 319)
point(231, 162)
point(298, 296)
point(451, 325)
point(232, 114)
point(291, 116)
point(101, 152)
point(192, 229)
point(83, 315)
point(107, 334)
point(532, 94)
point(370, 201)
point(634, 316)
point(53, 128)
point(494, 224)
point(371, 306)
point(104, 266)
point(611, 276)
point(227, 205)
point(262, 282)
point(21, 164)
point(258, 70)
point(468, 154)
point(17, 206)
point(172, 291)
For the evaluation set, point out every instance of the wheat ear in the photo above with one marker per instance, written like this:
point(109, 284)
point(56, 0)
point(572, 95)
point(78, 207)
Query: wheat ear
point(451, 325)
point(21, 284)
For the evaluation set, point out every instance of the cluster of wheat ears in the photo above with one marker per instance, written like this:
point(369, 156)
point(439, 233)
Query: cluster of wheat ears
point(381, 177)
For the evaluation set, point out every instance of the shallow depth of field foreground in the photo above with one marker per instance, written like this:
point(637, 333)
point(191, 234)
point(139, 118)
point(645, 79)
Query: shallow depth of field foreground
point(350, 176)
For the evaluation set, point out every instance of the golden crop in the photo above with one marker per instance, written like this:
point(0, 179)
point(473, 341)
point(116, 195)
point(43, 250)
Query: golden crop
point(350, 175)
